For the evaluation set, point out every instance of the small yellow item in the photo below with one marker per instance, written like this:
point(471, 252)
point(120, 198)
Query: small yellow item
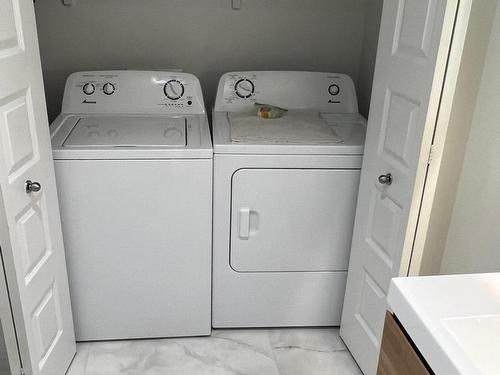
point(267, 111)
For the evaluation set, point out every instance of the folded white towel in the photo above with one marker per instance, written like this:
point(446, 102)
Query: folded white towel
point(295, 127)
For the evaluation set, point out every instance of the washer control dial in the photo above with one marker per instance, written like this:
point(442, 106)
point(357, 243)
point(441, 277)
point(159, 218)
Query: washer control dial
point(244, 88)
point(173, 89)
point(334, 89)
point(108, 88)
point(88, 88)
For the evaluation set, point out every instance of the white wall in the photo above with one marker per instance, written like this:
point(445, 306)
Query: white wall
point(205, 37)
point(463, 108)
point(473, 242)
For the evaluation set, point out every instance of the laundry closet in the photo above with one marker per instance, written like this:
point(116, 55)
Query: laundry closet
point(393, 105)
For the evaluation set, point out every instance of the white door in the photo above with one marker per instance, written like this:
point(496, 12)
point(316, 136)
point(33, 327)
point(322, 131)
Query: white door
point(10, 363)
point(414, 43)
point(30, 228)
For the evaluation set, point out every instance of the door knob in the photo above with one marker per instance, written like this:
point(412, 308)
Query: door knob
point(32, 187)
point(385, 179)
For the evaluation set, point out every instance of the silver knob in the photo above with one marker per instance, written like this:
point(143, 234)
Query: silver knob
point(108, 88)
point(88, 89)
point(385, 179)
point(334, 89)
point(32, 187)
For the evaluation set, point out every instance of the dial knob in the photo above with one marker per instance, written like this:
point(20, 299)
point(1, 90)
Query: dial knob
point(334, 89)
point(173, 89)
point(88, 88)
point(108, 88)
point(244, 88)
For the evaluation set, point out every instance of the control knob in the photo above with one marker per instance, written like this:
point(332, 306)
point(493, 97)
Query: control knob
point(173, 89)
point(334, 89)
point(88, 88)
point(244, 88)
point(108, 88)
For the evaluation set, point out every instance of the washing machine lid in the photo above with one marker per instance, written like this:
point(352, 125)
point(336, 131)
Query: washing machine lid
point(295, 127)
point(127, 131)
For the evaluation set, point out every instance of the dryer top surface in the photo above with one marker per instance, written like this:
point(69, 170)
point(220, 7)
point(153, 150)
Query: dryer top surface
point(322, 134)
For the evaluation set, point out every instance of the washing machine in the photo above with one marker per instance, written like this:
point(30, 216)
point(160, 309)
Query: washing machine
point(285, 192)
point(133, 160)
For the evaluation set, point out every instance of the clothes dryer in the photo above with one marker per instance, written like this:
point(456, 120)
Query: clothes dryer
point(285, 193)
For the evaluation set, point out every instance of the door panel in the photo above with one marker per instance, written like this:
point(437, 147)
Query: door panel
point(9, 355)
point(414, 42)
point(30, 229)
point(414, 29)
point(292, 219)
point(4, 357)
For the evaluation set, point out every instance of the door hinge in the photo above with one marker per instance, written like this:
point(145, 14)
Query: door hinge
point(432, 151)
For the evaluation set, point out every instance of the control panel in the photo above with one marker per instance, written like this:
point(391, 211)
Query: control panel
point(133, 92)
point(328, 92)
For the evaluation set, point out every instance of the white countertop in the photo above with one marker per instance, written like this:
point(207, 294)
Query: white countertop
point(453, 320)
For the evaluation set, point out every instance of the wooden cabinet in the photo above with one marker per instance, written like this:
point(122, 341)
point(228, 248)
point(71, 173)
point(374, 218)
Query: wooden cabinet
point(398, 354)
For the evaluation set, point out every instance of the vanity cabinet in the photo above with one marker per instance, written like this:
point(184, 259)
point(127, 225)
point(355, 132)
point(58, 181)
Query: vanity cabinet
point(398, 354)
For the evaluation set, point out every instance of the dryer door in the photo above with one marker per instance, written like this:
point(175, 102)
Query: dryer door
point(286, 220)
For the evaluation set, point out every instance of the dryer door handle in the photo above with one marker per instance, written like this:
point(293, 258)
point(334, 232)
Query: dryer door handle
point(244, 223)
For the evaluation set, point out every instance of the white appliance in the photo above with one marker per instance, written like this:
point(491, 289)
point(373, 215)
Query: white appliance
point(284, 198)
point(133, 160)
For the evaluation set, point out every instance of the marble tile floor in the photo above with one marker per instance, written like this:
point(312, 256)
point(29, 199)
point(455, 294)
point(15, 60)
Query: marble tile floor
point(295, 351)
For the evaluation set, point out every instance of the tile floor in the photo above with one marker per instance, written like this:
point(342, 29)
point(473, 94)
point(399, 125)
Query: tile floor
point(315, 351)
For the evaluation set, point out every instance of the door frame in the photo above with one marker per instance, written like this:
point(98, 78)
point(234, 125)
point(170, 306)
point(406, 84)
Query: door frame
point(427, 177)
point(7, 324)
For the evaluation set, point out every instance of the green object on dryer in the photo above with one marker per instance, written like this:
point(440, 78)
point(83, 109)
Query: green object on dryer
point(268, 111)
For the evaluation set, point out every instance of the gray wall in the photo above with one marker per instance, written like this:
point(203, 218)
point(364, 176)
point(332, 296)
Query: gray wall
point(207, 38)
point(373, 14)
